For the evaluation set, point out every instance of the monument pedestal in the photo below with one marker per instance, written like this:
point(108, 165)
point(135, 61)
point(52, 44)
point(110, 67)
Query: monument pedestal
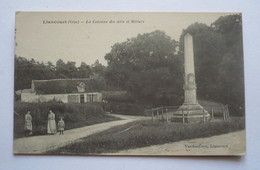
point(191, 113)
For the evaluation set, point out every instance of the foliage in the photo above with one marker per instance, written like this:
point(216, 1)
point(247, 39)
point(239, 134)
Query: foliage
point(125, 108)
point(231, 28)
point(146, 133)
point(231, 69)
point(28, 70)
point(75, 115)
point(84, 70)
point(146, 67)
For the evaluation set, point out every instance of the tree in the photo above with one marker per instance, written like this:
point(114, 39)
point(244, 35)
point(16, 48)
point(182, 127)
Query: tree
point(68, 70)
point(22, 71)
point(71, 69)
point(231, 28)
point(231, 70)
point(61, 69)
point(144, 67)
point(97, 68)
point(84, 70)
point(148, 49)
point(28, 70)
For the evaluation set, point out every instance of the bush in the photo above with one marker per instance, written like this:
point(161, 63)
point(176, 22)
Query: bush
point(124, 108)
point(74, 114)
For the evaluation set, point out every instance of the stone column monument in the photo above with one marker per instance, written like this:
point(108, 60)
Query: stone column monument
point(191, 110)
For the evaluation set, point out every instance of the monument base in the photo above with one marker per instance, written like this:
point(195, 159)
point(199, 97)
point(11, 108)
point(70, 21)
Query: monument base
point(191, 113)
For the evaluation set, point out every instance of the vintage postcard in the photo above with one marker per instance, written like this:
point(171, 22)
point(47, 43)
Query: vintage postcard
point(115, 83)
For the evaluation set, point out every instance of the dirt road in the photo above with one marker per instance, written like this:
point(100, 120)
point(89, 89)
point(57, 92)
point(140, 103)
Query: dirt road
point(226, 144)
point(41, 144)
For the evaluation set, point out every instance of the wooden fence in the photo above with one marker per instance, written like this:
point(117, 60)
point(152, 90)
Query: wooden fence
point(163, 113)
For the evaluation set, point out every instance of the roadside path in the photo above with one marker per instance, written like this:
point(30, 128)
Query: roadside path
point(41, 144)
point(226, 144)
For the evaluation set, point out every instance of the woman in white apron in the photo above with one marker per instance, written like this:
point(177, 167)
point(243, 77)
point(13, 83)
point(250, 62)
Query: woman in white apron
point(51, 127)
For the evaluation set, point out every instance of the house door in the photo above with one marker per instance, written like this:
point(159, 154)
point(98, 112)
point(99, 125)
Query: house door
point(82, 98)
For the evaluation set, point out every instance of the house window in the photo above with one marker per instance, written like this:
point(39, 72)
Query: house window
point(92, 97)
point(73, 99)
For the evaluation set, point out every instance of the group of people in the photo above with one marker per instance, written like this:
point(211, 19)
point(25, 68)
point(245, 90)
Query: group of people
point(51, 125)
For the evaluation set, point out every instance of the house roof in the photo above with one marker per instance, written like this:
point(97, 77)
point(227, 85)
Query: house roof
point(19, 92)
point(64, 86)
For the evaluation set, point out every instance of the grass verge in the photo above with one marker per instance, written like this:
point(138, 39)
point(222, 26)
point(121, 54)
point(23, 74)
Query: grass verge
point(145, 133)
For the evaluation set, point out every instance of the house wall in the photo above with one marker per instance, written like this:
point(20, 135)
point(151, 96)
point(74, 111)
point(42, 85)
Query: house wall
point(32, 97)
point(97, 97)
point(51, 97)
point(29, 97)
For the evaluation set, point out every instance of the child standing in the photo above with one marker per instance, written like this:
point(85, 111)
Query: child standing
point(61, 125)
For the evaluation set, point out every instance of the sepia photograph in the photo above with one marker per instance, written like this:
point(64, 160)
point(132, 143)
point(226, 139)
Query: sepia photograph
point(129, 83)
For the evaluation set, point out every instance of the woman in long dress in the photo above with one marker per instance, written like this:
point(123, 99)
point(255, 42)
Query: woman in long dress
point(51, 127)
point(28, 124)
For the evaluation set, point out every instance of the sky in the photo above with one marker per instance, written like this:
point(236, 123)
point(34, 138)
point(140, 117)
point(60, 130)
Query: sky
point(87, 37)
